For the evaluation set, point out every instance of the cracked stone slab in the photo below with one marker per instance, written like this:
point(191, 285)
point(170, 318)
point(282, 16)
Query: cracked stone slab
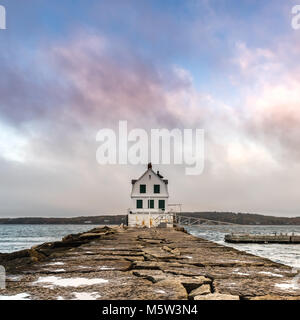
point(203, 289)
point(172, 286)
point(76, 265)
point(158, 253)
point(192, 283)
point(259, 287)
point(152, 275)
point(216, 296)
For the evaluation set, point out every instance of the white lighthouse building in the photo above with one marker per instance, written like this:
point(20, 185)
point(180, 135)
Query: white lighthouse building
point(149, 201)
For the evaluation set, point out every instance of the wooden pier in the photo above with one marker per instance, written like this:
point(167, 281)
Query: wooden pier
point(251, 238)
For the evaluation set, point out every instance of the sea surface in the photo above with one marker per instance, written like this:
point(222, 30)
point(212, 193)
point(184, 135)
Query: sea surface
point(18, 237)
point(288, 254)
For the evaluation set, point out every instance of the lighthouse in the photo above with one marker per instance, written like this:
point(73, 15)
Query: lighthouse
point(149, 201)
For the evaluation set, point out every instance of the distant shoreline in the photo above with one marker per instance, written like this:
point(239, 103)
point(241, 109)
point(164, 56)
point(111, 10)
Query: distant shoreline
point(236, 218)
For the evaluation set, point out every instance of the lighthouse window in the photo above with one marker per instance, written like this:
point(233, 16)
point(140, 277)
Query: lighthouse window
point(156, 188)
point(151, 204)
point(139, 204)
point(161, 204)
point(142, 188)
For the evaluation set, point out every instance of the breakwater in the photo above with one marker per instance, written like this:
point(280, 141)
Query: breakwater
point(130, 263)
point(250, 238)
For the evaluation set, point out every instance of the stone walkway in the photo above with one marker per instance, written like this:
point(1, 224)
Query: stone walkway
point(150, 264)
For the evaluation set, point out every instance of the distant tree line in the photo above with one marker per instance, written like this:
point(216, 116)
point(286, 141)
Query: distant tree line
point(237, 218)
point(244, 218)
point(102, 220)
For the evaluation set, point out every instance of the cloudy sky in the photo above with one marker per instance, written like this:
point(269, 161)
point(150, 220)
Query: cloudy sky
point(70, 68)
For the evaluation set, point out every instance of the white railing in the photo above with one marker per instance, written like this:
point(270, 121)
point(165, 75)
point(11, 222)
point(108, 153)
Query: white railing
point(165, 217)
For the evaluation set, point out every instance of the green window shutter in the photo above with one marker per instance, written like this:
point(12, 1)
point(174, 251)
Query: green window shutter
point(156, 188)
point(150, 204)
point(161, 204)
point(142, 188)
point(139, 204)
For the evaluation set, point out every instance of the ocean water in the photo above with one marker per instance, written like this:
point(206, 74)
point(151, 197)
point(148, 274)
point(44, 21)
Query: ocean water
point(288, 254)
point(23, 236)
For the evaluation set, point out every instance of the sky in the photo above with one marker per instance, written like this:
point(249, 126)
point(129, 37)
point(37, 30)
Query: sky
point(70, 68)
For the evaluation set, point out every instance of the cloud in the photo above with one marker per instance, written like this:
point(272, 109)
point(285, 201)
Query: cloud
point(271, 103)
point(87, 82)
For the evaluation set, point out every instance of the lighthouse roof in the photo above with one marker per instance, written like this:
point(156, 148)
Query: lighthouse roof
point(150, 169)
